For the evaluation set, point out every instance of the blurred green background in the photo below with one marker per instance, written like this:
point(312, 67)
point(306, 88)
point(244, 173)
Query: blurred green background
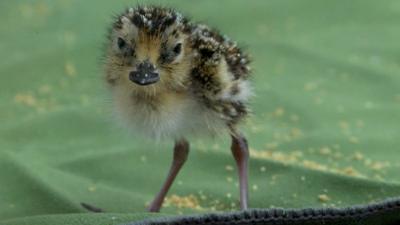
point(324, 131)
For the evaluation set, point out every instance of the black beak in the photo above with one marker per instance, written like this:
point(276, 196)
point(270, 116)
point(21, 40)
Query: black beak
point(144, 74)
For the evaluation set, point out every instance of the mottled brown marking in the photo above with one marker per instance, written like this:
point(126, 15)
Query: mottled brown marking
point(235, 89)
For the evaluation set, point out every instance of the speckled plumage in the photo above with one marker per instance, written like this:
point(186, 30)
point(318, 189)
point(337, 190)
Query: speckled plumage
point(203, 89)
point(172, 78)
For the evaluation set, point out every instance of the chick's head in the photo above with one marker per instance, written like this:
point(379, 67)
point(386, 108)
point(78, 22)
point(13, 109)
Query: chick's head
point(148, 50)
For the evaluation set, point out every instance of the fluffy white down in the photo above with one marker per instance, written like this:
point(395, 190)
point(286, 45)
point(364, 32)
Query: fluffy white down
point(181, 117)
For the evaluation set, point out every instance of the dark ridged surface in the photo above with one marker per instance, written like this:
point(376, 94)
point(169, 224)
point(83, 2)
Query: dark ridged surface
point(383, 213)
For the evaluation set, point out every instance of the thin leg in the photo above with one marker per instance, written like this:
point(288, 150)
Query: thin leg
point(181, 152)
point(240, 152)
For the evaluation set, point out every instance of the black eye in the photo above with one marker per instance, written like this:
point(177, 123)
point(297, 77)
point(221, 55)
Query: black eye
point(178, 48)
point(121, 43)
point(125, 49)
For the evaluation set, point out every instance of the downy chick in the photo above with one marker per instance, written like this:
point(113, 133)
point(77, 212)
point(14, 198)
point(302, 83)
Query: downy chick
point(171, 78)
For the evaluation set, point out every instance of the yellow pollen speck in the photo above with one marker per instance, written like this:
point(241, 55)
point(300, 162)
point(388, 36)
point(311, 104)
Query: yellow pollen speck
point(345, 76)
point(215, 146)
point(42, 8)
point(229, 168)
point(310, 86)
point(25, 99)
point(84, 99)
point(311, 150)
point(378, 177)
point(34, 10)
point(272, 145)
point(70, 69)
point(325, 151)
point(44, 89)
point(68, 38)
point(314, 165)
point(26, 10)
point(277, 135)
point(360, 123)
point(294, 118)
point(367, 162)
point(353, 140)
point(229, 179)
point(180, 202)
point(296, 158)
point(377, 166)
point(337, 155)
point(279, 112)
point(275, 155)
point(397, 98)
point(92, 188)
point(318, 100)
point(324, 198)
point(255, 187)
point(263, 169)
point(351, 172)
point(358, 156)
point(296, 132)
point(344, 125)
point(262, 29)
